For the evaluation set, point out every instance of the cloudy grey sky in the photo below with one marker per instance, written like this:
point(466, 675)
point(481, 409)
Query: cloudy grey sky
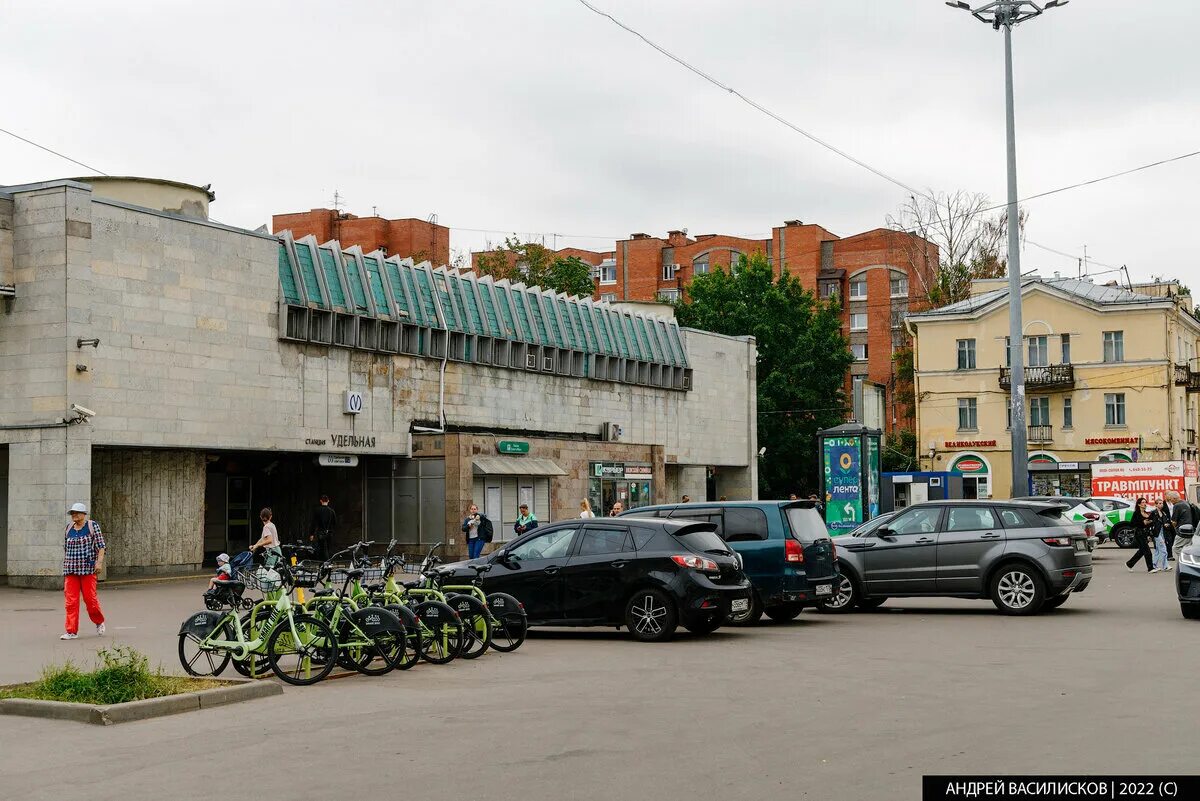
point(539, 117)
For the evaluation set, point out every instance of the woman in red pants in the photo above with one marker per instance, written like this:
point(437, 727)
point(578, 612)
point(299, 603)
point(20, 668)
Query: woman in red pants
point(83, 559)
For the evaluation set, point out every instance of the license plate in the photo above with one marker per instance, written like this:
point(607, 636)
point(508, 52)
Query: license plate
point(824, 589)
point(1080, 545)
point(740, 605)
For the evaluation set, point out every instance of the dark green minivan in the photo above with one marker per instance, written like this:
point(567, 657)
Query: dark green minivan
point(785, 549)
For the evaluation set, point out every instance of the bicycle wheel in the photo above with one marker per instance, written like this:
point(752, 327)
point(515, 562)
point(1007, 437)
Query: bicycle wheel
point(412, 635)
point(293, 657)
point(476, 625)
point(440, 637)
point(199, 661)
point(509, 623)
point(255, 665)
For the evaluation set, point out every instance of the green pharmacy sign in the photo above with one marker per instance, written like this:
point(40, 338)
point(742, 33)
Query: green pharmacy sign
point(512, 446)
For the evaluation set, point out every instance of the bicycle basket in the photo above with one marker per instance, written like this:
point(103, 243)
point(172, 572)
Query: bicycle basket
point(305, 576)
point(262, 579)
point(369, 574)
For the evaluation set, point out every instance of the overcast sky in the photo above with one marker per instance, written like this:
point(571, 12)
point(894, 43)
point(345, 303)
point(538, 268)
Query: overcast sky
point(539, 117)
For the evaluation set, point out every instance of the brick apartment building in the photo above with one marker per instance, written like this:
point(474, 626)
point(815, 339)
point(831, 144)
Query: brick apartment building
point(880, 274)
point(408, 238)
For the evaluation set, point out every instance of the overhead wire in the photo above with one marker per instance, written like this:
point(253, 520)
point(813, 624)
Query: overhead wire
point(49, 150)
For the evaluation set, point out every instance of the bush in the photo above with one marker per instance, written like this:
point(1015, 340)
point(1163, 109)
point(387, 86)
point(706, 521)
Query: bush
point(121, 674)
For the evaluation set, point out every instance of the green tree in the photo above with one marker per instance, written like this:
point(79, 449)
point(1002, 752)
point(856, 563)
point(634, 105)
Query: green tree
point(900, 453)
point(802, 362)
point(537, 265)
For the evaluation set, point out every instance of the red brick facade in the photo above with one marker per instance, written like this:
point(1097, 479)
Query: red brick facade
point(409, 238)
point(643, 267)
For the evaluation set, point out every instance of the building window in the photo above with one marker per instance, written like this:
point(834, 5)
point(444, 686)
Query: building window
point(700, 265)
point(897, 339)
point(1039, 411)
point(858, 322)
point(1008, 417)
point(968, 414)
point(1066, 348)
point(1114, 346)
point(860, 352)
point(608, 297)
point(858, 288)
point(668, 272)
point(1039, 352)
point(1114, 408)
point(668, 295)
point(1007, 352)
point(1068, 413)
point(898, 318)
point(606, 273)
point(899, 286)
point(966, 354)
point(829, 289)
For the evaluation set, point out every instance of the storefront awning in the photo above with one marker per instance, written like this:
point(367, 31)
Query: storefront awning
point(516, 466)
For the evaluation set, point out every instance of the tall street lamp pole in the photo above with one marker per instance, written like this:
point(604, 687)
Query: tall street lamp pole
point(1005, 14)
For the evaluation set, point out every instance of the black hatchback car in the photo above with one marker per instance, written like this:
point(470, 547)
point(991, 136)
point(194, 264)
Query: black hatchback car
point(649, 576)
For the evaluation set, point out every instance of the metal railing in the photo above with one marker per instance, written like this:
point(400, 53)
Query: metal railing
point(1048, 377)
point(1185, 376)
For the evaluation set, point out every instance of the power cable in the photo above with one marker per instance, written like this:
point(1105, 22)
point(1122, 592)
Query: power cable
point(55, 152)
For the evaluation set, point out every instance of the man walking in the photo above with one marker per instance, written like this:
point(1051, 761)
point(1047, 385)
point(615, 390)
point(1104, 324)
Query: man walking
point(83, 558)
point(1181, 523)
point(324, 521)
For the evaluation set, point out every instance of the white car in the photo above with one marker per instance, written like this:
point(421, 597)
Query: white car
point(1082, 511)
point(1118, 514)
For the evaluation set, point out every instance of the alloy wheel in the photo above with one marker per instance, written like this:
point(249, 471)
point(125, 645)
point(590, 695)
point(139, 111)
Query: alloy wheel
point(844, 595)
point(649, 616)
point(1016, 589)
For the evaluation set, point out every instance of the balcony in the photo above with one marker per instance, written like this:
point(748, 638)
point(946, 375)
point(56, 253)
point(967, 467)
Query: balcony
point(1041, 434)
point(1054, 376)
point(1185, 376)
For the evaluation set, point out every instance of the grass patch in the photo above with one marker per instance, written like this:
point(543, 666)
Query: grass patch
point(121, 674)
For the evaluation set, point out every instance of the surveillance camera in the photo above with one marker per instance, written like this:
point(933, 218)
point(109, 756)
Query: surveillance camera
point(762, 451)
point(82, 411)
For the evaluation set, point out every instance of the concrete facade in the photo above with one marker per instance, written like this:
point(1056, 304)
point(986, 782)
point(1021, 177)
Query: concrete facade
point(190, 361)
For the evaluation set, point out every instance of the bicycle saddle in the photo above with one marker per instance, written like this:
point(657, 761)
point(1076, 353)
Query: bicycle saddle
point(355, 572)
point(373, 588)
point(411, 585)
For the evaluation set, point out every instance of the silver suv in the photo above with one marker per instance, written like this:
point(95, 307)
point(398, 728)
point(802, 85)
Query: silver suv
point(1023, 555)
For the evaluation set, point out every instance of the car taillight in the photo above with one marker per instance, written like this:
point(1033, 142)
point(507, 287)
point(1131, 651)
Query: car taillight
point(1091, 515)
point(695, 562)
point(1064, 541)
point(792, 551)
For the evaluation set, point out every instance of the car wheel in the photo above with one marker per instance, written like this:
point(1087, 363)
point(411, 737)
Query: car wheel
point(1123, 536)
point(1055, 602)
point(650, 616)
point(784, 612)
point(750, 616)
point(873, 602)
point(845, 597)
point(1190, 611)
point(1017, 589)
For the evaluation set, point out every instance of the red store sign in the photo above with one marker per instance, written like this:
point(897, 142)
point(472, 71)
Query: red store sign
point(1111, 441)
point(971, 443)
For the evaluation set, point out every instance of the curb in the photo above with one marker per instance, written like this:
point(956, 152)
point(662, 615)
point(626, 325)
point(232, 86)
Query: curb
point(141, 710)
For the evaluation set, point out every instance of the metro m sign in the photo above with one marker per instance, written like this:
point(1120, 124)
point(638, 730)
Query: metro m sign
point(1133, 479)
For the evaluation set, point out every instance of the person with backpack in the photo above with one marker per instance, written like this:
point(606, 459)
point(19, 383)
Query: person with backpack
point(83, 558)
point(478, 530)
point(525, 521)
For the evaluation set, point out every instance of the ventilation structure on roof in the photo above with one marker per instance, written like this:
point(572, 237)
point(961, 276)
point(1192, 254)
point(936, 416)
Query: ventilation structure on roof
point(369, 301)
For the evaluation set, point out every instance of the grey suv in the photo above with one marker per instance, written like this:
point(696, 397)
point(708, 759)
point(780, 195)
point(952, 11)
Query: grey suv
point(1025, 556)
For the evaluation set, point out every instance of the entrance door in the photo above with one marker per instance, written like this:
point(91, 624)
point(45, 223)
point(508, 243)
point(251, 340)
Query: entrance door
point(239, 531)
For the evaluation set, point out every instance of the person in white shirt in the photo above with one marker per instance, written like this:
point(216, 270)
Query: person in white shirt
point(585, 510)
point(269, 541)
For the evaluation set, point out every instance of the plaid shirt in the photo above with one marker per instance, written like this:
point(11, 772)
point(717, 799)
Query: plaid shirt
point(80, 549)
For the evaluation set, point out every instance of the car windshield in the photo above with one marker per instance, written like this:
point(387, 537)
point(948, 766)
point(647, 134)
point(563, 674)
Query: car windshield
point(806, 524)
point(702, 540)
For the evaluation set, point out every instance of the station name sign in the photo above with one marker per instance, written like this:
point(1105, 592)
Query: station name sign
point(971, 443)
point(342, 441)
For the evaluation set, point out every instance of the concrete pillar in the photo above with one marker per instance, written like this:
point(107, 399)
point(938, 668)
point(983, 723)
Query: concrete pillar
point(736, 484)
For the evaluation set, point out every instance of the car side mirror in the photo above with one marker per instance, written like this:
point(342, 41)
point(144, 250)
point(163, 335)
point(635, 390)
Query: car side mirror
point(885, 533)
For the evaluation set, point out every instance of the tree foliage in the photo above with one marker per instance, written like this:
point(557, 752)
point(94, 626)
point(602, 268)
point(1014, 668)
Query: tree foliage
point(972, 242)
point(802, 362)
point(900, 452)
point(536, 265)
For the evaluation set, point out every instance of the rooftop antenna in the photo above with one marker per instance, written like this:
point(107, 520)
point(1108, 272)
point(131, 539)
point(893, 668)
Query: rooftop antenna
point(1085, 264)
point(374, 211)
point(433, 218)
point(338, 201)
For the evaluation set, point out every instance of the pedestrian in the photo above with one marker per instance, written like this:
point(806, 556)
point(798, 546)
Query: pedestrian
point(324, 523)
point(525, 520)
point(793, 497)
point(1183, 523)
point(268, 544)
point(478, 530)
point(1166, 507)
point(616, 509)
point(686, 499)
point(1157, 541)
point(83, 558)
point(1143, 524)
point(585, 510)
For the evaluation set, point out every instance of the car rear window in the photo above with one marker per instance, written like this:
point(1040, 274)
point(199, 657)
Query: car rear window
point(701, 540)
point(1095, 507)
point(805, 524)
point(745, 524)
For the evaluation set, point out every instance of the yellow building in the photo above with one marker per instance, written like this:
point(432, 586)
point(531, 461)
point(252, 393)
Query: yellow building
point(1110, 375)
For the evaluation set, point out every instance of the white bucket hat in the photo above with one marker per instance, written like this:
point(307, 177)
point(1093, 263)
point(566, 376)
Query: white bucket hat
point(78, 507)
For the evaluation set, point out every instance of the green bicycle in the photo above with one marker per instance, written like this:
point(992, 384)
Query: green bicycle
point(292, 644)
point(508, 619)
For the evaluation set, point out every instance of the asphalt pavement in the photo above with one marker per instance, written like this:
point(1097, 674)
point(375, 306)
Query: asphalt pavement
point(832, 707)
